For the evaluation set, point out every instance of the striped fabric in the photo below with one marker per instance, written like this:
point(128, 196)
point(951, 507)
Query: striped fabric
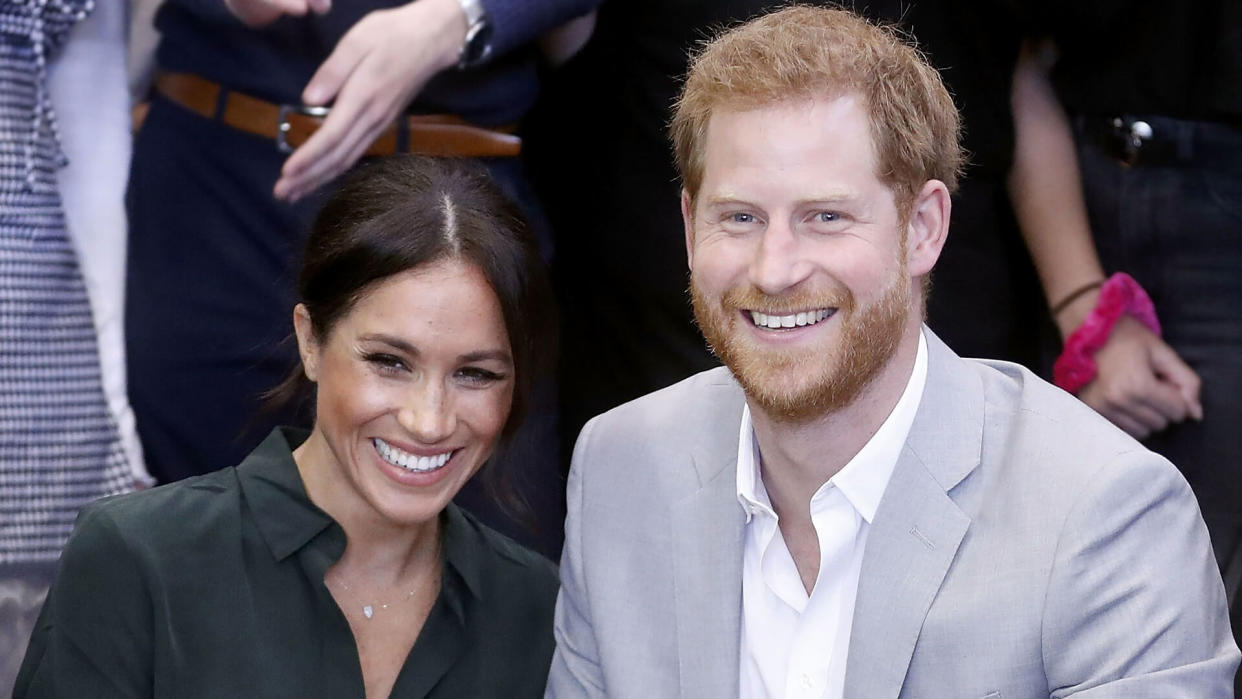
point(59, 447)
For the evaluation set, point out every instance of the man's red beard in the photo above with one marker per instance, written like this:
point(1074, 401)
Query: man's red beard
point(800, 384)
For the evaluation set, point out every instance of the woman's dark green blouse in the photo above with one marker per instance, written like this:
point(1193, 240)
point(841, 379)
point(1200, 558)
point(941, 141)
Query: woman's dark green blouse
point(213, 587)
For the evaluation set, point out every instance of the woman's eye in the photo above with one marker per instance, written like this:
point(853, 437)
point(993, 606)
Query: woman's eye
point(479, 376)
point(386, 363)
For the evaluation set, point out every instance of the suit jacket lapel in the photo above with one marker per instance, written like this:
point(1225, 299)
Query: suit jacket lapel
point(917, 528)
point(707, 535)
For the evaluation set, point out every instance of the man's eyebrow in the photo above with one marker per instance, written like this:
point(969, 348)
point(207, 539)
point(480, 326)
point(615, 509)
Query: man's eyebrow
point(826, 196)
point(830, 196)
point(725, 199)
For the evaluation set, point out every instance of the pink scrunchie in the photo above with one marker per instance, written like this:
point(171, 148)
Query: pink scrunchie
point(1076, 367)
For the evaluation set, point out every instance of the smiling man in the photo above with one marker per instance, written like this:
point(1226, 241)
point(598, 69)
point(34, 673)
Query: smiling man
point(848, 509)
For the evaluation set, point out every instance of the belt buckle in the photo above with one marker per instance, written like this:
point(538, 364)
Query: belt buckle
point(1133, 133)
point(282, 122)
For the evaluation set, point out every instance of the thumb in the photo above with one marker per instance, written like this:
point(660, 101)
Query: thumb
point(1170, 367)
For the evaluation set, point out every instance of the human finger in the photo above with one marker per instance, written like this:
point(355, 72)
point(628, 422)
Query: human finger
point(343, 142)
point(1165, 398)
point(366, 106)
point(321, 172)
point(1132, 427)
point(1171, 367)
point(259, 13)
point(335, 71)
point(1151, 420)
point(345, 113)
point(1117, 406)
point(319, 7)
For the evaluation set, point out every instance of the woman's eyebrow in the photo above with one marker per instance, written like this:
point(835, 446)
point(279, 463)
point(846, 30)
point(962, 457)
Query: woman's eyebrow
point(392, 340)
point(482, 355)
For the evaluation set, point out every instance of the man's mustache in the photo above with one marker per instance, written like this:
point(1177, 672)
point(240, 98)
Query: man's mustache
point(751, 298)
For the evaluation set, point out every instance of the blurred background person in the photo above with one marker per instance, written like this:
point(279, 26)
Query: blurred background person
point(66, 431)
point(334, 563)
point(229, 160)
point(1136, 152)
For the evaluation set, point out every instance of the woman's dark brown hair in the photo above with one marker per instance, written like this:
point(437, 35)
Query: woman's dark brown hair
point(403, 212)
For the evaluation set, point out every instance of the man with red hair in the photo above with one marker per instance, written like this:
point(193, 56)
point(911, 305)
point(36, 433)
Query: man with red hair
point(848, 509)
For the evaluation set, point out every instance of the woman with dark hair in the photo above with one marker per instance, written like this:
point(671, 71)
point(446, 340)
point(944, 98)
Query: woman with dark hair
point(334, 564)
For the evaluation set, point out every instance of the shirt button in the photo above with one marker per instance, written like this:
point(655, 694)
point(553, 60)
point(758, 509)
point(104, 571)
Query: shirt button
point(807, 682)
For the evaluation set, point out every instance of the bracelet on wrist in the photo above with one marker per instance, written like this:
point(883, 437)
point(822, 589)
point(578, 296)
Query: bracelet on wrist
point(1075, 367)
point(1073, 296)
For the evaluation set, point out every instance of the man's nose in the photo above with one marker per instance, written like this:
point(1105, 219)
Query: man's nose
point(428, 413)
point(778, 263)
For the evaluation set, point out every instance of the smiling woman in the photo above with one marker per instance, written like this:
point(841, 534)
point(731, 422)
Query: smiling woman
point(334, 563)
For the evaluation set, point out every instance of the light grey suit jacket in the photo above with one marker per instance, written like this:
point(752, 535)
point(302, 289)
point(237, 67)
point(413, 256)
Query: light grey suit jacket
point(1024, 548)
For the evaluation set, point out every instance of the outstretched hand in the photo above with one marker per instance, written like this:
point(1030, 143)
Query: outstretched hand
point(375, 70)
point(260, 13)
point(1142, 385)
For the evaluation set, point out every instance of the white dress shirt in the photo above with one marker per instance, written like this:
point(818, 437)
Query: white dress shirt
point(794, 645)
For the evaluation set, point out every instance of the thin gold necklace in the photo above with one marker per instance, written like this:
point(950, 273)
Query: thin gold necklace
point(368, 610)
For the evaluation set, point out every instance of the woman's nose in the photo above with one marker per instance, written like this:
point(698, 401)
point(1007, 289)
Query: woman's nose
point(428, 414)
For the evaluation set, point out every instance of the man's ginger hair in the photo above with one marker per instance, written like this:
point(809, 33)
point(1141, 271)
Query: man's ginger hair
point(803, 53)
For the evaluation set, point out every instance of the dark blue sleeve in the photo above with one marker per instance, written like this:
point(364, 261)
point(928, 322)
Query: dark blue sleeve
point(516, 22)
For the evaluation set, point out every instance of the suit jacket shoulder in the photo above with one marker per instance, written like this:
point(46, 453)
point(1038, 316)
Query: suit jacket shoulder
point(1039, 563)
point(670, 441)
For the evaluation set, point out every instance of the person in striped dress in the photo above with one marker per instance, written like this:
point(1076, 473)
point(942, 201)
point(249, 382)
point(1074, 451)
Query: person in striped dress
point(59, 445)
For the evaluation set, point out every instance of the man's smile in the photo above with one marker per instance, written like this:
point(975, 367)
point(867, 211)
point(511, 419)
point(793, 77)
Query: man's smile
point(789, 320)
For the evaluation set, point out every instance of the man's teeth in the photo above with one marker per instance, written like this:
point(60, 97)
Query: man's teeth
point(793, 320)
point(408, 461)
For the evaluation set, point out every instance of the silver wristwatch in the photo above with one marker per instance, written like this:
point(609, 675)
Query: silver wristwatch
point(478, 45)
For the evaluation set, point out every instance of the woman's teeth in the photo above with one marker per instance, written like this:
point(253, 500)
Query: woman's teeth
point(793, 320)
point(408, 461)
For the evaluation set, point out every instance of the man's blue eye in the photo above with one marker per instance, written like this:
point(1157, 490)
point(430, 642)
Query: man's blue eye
point(741, 218)
point(827, 217)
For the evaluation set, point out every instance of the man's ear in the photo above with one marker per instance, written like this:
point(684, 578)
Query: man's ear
point(308, 347)
point(687, 220)
point(928, 227)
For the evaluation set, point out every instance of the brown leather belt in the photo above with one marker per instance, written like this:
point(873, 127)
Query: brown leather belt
point(291, 125)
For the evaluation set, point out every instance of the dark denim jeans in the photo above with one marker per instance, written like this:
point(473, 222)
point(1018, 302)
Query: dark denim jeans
point(1175, 225)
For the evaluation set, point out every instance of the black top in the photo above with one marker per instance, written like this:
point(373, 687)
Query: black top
point(213, 587)
point(1177, 59)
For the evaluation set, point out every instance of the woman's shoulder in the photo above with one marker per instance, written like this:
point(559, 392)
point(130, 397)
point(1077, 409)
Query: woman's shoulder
point(170, 512)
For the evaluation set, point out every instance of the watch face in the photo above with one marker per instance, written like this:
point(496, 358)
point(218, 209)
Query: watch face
point(478, 44)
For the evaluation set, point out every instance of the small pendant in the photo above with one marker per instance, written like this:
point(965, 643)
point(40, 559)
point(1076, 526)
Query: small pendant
point(367, 611)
